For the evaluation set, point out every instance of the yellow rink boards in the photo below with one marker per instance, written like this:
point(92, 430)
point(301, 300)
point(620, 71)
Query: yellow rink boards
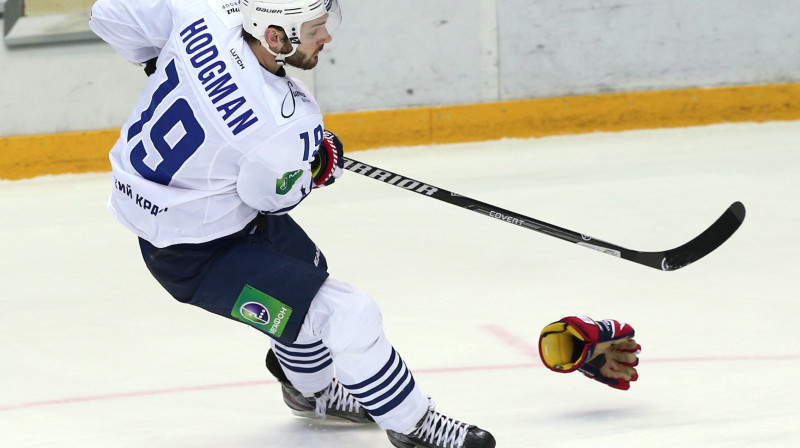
point(79, 152)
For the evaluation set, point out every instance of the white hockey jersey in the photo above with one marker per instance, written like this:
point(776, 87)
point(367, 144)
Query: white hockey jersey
point(214, 137)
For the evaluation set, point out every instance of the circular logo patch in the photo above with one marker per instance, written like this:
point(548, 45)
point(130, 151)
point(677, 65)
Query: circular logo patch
point(255, 312)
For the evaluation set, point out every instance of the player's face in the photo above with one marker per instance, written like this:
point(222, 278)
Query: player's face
point(313, 37)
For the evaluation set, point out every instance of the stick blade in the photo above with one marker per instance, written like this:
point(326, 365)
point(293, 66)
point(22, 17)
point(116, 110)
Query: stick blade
point(702, 245)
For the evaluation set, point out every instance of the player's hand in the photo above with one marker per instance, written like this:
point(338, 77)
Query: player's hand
point(602, 350)
point(327, 164)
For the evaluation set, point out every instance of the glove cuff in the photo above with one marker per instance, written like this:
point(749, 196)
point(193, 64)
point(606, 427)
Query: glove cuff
point(318, 163)
point(328, 161)
point(564, 348)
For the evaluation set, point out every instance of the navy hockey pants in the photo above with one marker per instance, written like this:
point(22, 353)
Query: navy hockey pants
point(272, 258)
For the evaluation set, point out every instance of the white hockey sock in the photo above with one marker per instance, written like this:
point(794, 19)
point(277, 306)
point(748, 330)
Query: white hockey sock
point(349, 323)
point(390, 394)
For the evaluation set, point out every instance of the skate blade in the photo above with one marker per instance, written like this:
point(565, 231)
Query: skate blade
point(328, 417)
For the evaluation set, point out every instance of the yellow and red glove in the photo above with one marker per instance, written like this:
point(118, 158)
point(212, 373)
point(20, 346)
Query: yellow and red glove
point(602, 350)
point(328, 161)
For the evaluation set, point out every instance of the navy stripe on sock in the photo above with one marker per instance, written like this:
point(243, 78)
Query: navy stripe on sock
point(395, 387)
point(309, 359)
point(301, 354)
point(374, 389)
point(306, 369)
point(389, 393)
point(394, 402)
point(316, 358)
point(375, 377)
point(284, 350)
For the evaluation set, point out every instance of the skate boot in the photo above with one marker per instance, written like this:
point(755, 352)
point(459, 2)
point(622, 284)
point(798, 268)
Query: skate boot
point(438, 431)
point(333, 401)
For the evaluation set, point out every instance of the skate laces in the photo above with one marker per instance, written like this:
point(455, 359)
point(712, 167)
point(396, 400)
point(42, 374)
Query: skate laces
point(336, 397)
point(441, 430)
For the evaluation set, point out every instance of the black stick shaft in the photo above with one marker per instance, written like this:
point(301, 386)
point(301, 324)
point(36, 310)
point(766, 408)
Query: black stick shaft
point(669, 260)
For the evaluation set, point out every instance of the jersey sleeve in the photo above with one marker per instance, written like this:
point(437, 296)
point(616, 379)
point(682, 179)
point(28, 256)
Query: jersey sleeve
point(137, 30)
point(275, 175)
point(272, 190)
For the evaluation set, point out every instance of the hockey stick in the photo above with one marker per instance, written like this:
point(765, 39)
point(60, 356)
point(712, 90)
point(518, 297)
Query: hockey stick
point(668, 260)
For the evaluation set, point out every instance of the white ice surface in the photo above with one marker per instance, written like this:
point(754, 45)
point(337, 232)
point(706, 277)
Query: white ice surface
point(94, 354)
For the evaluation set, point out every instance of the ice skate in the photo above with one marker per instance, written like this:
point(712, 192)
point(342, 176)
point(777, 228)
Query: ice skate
point(438, 431)
point(332, 402)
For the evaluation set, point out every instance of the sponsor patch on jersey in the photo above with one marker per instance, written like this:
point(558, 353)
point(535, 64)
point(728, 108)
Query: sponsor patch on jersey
point(289, 101)
point(262, 311)
point(285, 183)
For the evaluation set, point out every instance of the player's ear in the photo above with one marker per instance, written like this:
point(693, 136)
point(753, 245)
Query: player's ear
point(275, 38)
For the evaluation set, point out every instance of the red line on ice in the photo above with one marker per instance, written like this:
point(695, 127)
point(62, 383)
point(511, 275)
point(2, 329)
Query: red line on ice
point(510, 340)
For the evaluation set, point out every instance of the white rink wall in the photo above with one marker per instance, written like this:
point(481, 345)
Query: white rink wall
point(391, 55)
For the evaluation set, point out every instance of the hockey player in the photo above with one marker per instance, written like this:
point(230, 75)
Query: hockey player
point(221, 145)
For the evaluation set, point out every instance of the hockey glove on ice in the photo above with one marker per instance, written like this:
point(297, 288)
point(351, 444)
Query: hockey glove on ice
point(602, 350)
point(327, 164)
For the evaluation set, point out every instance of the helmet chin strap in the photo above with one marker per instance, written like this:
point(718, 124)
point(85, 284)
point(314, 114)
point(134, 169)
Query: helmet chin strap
point(280, 58)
